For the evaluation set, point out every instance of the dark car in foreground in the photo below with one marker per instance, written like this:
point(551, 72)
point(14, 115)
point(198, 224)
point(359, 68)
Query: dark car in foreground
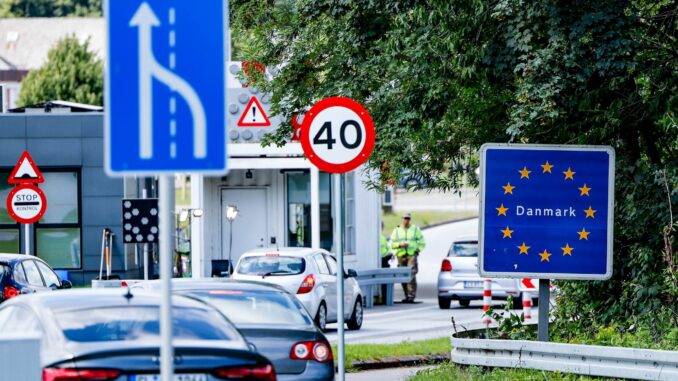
point(104, 335)
point(270, 318)
point(25, 274)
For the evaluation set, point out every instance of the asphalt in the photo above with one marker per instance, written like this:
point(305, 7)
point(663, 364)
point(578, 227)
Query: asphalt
point(425, 320)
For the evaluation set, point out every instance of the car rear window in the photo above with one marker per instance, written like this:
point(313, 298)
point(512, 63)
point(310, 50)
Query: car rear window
point(256, 307)
point(464, 249)
point(142, 322)
point(271, 265)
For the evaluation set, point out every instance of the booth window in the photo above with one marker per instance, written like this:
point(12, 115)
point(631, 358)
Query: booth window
point(298, 210)
point(9, 229)
point(349, 214)
point(57, 234)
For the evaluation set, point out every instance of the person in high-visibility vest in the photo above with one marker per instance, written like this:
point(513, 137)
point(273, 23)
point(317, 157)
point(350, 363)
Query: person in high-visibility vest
point(386, 255)
point(385, 249)
point(407, 241)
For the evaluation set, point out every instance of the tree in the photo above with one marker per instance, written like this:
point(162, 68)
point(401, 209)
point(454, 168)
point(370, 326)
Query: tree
point(50, 8)
point(442, 77)
point(72, 73)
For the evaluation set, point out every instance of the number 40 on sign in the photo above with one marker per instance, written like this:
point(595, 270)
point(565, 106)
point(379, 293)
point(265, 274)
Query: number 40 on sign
point(337, 135)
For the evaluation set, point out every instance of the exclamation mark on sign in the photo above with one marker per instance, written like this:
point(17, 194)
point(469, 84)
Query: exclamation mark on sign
point(254, 114)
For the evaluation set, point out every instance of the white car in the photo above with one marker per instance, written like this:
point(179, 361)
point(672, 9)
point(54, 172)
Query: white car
point(460, 280)
point(311, 275)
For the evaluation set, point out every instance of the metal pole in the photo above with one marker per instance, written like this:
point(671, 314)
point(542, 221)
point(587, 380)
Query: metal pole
point(165, 206)
point(230, 246)
point(544, 300)
point(27, 240)
point(144, 194)
point(339, 192)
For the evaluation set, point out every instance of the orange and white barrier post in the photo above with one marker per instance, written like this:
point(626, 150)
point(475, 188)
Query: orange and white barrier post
point(487, 300)
point(527, 305)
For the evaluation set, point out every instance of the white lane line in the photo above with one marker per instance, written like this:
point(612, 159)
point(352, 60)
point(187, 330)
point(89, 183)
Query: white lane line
point(173, 101)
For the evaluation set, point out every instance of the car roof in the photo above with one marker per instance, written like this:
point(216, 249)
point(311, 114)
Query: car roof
point(11, 258)
point(94, 298)
point(180, 284)
point(287, 251)
point(468, 238)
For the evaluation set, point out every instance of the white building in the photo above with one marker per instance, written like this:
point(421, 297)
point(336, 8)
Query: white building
point(283, 200)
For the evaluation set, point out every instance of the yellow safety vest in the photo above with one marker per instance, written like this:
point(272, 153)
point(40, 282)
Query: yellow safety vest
point(383, 245)
point(412, 236)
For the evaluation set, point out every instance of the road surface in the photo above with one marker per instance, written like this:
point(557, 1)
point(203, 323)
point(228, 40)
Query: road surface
point(424, 320)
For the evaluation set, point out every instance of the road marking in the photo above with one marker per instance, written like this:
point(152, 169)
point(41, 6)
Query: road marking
point(173, 102)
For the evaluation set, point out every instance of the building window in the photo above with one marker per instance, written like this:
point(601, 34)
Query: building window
point(57, 234)
point(326, 205)
point(9, 229)
point(349, 214)
point(298, 210)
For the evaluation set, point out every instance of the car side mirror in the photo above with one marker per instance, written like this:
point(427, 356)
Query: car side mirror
point(350, 273)
point(66, 284)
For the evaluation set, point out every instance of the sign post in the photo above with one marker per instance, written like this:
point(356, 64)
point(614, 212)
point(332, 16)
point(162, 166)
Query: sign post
point(337, 136)
point(546, 212)
point(26, 203)
point(166, 108)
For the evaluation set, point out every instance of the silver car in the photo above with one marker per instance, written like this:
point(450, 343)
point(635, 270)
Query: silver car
point(310, 275)
point(460, 280)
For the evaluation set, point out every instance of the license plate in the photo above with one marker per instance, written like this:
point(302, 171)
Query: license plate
point(177, 377)
point(473, 284)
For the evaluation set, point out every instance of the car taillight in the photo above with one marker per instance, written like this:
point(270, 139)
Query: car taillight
point(70, 374)
point(446, 265)
point(318, 351)
point(9, 292)
point(307, 285)
point(256, 373)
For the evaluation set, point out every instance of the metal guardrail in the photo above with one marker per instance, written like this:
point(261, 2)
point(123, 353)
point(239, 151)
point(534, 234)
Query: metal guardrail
point(20, 357)
point(367, 279)
point(591, 360)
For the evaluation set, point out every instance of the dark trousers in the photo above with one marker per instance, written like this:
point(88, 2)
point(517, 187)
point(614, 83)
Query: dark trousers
point(384, 264)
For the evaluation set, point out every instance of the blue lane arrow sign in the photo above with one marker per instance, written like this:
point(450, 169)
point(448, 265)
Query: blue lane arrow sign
point(165, 87)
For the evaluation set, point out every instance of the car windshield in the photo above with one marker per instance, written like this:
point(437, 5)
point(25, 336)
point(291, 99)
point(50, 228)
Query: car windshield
point(464, 249)
point(271, 265)
point(256, 307)
point(142, 322)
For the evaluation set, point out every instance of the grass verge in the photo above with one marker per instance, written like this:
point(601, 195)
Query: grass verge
point(423, 217)
point(452, 372)
point(362, 352)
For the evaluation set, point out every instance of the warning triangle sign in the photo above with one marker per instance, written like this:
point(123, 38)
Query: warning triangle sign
point(254, 115)
point(25, 171)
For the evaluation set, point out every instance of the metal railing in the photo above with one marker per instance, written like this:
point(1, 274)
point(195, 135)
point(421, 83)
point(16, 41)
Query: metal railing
point(368, 279)
point(592, 360)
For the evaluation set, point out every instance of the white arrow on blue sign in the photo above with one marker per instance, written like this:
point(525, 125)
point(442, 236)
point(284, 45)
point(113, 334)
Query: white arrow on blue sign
point(166, 87)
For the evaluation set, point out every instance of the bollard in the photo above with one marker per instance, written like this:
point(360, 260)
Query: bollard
point(487, 300)
point(527, 305)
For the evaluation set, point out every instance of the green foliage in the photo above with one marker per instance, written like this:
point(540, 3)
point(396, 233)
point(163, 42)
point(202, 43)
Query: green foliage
point(72, 73)
point(50, 8)
point(362, 352)
point(453, 372)
point(442, 77)
point(510, 326)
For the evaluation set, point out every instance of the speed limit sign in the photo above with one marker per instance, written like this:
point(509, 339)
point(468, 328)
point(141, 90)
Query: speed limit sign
point(337, 135)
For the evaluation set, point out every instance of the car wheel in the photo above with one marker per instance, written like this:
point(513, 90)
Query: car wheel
point(321, 317)
point(356, 320)
point(465, 303)
point(518, 302)
point(444, 303)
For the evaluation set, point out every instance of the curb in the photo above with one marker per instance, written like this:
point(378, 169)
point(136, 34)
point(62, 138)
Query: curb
point(446, 222)
point(398, 362)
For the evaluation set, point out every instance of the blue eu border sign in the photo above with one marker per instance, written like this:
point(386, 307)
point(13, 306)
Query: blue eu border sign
point(166, 87)
point(546, 211)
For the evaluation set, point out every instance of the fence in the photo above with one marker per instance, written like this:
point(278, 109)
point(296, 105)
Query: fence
point(592, 360)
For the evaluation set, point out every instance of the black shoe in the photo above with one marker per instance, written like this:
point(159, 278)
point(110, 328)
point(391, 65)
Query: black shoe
point(405, 301)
